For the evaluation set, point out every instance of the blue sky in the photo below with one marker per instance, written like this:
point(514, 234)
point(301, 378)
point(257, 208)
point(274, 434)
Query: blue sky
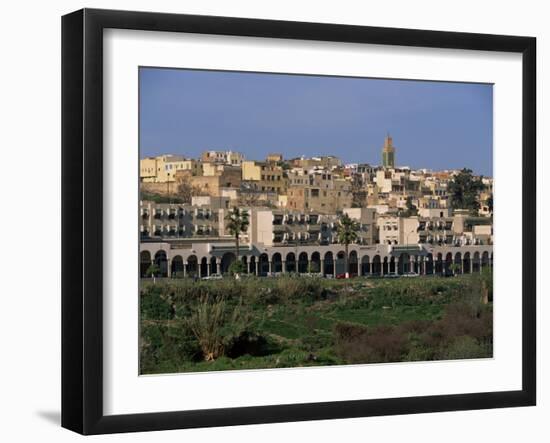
point(436, 125)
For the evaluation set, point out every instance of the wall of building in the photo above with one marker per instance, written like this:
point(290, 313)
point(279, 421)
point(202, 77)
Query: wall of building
point(261, 227)
point(163, 189)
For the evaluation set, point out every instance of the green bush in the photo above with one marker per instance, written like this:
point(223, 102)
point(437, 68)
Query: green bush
point(154, 305)
point(166, 346)
point(237, 267)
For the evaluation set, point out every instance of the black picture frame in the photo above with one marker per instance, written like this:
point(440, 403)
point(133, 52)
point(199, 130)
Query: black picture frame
point(82, 189)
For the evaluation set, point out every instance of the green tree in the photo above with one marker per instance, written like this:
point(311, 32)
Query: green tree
point(237, 223)
point(347, 233)
point(237, 267)
point(489, 203)
point(464, 191)
point(455, 267)
point(152, 271)
point(410, 210)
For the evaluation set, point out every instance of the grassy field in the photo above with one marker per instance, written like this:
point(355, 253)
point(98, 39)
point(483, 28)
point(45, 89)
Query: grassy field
point(294, 321)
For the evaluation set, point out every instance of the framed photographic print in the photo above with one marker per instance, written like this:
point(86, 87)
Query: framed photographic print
point(269, 221)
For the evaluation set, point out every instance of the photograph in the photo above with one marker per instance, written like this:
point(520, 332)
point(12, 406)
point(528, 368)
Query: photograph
point(290, 220)
point(275, 221)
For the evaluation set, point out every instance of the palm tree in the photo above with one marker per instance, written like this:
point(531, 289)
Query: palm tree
point(237, 222)
point(347, 233)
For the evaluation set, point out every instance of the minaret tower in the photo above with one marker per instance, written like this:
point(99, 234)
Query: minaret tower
point(388, 153)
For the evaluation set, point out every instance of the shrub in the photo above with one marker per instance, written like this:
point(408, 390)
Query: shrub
point(206, 324)
point(165, 345)
point(215, 327)
point(155, 306)
point(466, 347)
point(282, 290)
point(287, 287)
point(362, 344)
point(460, 319)
point(316, 342)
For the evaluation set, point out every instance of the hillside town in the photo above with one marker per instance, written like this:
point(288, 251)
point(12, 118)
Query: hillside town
point(279, 215)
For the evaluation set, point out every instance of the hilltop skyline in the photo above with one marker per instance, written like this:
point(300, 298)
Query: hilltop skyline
point(434, 125)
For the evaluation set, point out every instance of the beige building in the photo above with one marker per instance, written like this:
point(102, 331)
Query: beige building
point(294, 215)
point(264, 176)
point(458, 230)
point(176, 221)
point(366, 217)
point(320, 191)
point(280, 227)
point(163, 168)
point(328, 162)
point(430, 212)
point(394, 230)
point(186, 258)
point(226, 177)
point(148, 169)
point(223, 157)
point(260, 230)
point(222, 202)
point(210, 169)
point(274, 158)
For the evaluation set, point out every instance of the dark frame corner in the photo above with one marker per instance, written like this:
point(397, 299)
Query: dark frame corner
point(82, 132)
